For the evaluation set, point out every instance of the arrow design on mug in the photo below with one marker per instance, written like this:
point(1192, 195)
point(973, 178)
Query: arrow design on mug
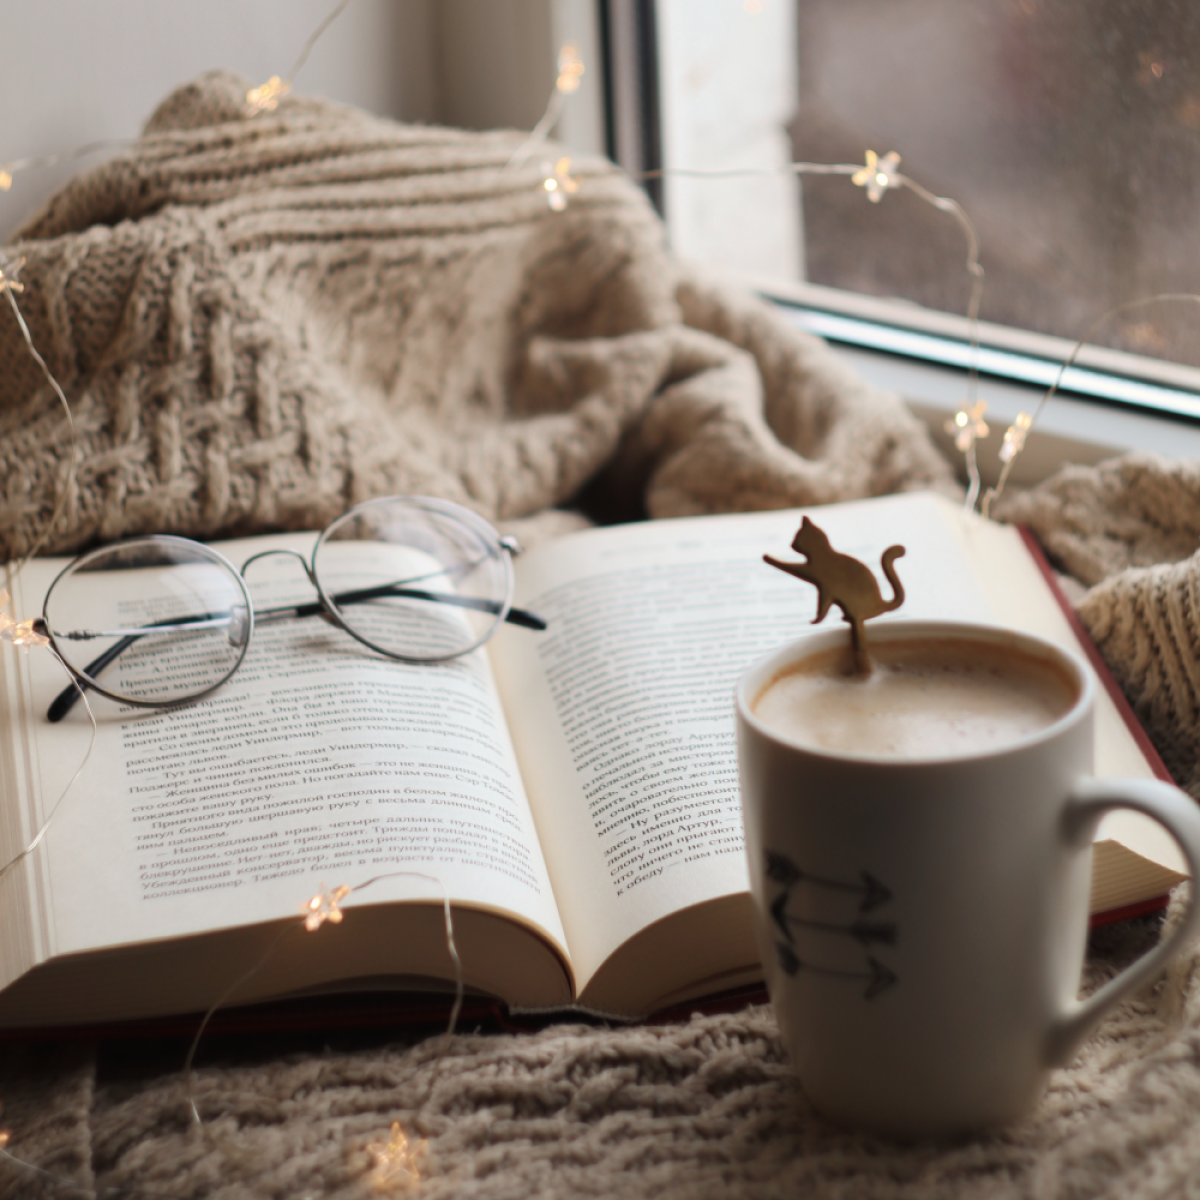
point(783, 871)
point(864, 932)
point(878, 977)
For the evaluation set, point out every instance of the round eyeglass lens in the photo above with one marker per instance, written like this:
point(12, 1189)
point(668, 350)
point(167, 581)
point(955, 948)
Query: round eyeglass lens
point(417, 579)
point(152, 622)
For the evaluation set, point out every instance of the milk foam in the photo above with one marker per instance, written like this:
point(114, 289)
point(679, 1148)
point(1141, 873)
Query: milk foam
point(922, 700)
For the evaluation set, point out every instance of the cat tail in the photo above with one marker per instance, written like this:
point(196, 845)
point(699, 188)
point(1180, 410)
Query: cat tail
point(889, 556)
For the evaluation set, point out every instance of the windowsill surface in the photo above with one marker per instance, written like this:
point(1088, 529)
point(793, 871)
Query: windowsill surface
point(1069, 430)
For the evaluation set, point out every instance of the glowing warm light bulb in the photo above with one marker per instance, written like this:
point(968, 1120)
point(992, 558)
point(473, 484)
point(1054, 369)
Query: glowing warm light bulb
point(20, 633)
point(968, 426)
point(570, 68)
point(396, 1162)
point(1014, 437)
point(5, 179)
point(558, 183)
point(878, 175)
point(8, 274)
point(324, 907)
point(266, 96)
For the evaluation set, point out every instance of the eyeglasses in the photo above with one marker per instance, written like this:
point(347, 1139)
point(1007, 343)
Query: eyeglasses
point(160, 621)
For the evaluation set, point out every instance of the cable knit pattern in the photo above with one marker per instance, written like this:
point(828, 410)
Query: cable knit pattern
point(1132, 511)
point(1130, 527)
point(260, 322)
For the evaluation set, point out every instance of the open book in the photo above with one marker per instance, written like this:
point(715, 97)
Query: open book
point(575, 791)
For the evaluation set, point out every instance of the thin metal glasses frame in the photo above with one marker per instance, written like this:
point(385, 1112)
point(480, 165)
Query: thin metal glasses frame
point(326, 606)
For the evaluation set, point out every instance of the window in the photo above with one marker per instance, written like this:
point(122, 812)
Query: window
point(1069, 130)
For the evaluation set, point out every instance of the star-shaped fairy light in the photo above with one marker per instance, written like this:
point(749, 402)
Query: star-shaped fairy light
point(266, 97)
point(570, 68)
point(324, 906)
point(968, 426)
point(8, 274)
point(878, 175)
point(558, 183)
point(1014, 437)
point(396, 1162)
point(20, 633)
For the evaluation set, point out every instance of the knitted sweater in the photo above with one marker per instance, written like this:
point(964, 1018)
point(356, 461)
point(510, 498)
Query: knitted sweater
point(260, 322)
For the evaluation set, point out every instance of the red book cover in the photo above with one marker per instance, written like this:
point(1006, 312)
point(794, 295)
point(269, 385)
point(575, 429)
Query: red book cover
point(1110, 685)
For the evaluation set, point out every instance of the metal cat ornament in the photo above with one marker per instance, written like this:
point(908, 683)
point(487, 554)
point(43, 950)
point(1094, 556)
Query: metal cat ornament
point(844, 581)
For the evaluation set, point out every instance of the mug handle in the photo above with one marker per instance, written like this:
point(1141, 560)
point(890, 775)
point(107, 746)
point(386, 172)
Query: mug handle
point(1089, 800)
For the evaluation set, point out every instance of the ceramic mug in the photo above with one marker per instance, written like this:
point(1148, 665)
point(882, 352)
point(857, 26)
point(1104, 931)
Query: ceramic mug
point(922, 923)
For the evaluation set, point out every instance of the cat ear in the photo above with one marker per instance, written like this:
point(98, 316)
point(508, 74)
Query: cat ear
point(805, 523)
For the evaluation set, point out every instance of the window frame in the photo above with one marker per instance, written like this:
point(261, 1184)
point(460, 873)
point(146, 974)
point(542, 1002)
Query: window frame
point(1108, 403)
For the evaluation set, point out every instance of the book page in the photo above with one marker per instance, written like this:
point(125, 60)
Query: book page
point(623, 712)
point(1021, 600)
point(317, 762)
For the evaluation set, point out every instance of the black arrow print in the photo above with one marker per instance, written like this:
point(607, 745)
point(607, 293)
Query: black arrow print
point(878, 977)
point(865, 933)
point(779, 914)
point(782, 870)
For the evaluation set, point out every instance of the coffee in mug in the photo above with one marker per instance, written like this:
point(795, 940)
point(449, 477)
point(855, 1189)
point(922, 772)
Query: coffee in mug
point(919, 850)
point(920, 700)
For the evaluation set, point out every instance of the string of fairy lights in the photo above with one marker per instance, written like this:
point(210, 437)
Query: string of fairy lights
point(397, 1156)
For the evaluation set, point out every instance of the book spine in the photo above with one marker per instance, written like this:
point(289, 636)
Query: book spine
point(1110, 685)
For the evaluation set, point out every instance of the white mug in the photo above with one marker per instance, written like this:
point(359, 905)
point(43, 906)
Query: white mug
point(929, 983)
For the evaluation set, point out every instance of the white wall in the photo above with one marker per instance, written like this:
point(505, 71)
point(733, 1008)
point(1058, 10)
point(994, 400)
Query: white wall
point(497, 63)
point(77, 71)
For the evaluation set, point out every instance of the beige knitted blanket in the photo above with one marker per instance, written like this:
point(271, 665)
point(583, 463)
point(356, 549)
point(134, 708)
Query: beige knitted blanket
point(259, 322)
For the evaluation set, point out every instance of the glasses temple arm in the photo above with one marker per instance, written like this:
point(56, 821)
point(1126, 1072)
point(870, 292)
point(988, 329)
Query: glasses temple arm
point(518, 616)
point(66, 699)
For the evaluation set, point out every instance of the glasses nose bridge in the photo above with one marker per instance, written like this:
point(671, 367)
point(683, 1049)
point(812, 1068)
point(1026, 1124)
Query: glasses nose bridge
point(287, 553)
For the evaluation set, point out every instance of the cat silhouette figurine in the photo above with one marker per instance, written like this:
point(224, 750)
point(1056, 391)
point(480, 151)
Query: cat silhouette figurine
point(842, 580)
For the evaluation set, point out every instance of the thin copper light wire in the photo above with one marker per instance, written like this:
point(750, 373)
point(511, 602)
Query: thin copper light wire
point(36, 161)
point(943, 204)
point(292, 927)
point(38, 542)
point(975, 270)
point(69, 477)
point(5, 1154)
point(59, 1181)
point(49, 160)
point(994, 494)
point(41, 833)
point(541, 131)
point(313, 38)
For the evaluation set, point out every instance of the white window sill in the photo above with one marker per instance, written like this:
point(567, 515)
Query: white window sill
point(1069, 430)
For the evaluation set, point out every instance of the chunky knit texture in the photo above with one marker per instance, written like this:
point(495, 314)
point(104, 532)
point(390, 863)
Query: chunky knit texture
point(704, 1109)
point(1130, 528)
point(261, 322)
